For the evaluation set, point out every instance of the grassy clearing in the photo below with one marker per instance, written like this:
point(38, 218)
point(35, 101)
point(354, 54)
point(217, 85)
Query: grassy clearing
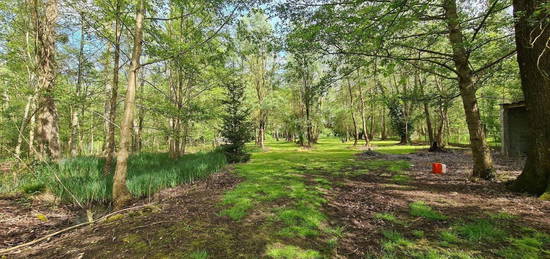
point(81, 180)
point(288, 183)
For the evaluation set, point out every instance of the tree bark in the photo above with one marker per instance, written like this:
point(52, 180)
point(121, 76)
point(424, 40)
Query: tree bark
point(383, 132)
point(138, 123)
point(110, 137)
point(121, 195)
point(533, 54)
point(483, 162)
point(107, 104)
point(352, 110)
point(45, 13)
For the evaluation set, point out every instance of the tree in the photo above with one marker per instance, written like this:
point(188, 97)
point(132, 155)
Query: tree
point(258, 50)
point(121, 195)
point(236, 127)
point(44, 15)
point(533, 46)
point(112, 92)
point(352, 111)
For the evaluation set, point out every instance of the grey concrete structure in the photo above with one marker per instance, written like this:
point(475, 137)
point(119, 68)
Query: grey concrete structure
point(515, 129)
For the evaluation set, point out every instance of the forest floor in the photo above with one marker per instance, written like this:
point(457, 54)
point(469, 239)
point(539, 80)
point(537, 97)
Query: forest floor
point(331, 201)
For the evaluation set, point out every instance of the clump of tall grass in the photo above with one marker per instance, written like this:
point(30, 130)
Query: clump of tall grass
point(81, 180)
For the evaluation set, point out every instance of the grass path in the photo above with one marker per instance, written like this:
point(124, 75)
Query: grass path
point(326, 202)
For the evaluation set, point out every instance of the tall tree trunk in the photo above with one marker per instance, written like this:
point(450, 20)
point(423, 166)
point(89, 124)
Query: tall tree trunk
point(73, 141)
point(441, 128)
point(426, 103)
point(363, 119)
point(371, 129)
point(138, 123)
point(185, 137)
point(261, 131)
point(533, 46)
point(429, 127)
point(121, 195)
point(176, 85)
point(309, 126)
point(110, 137)
point(383, 133)
point(352, 110)
point(107, 106)
point(483, 162)
point(45, 14)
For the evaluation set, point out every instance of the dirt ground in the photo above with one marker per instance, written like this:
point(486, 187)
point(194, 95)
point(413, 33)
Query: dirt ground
point(355, 203)
point(186, 219)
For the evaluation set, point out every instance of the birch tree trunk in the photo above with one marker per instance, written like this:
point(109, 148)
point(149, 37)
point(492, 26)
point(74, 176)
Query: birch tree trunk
point(121, 195)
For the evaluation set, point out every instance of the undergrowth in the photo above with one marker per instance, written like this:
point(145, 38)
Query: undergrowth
point(81, 180)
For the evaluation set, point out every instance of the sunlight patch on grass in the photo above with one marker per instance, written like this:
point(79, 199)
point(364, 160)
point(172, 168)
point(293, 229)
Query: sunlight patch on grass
point(394, 241)
point(420, 209)
point(199, 255)
point(389, 218)
point(279, 251)
point(481, 230)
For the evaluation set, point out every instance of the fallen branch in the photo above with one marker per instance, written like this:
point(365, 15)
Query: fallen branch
point(8, 250)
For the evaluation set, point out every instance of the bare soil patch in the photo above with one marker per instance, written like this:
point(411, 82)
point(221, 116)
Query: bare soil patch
point(23, 219)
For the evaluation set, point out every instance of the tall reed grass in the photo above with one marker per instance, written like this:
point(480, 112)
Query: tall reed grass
point(81, 180)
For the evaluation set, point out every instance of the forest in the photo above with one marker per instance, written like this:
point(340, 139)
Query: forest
point(275, 129)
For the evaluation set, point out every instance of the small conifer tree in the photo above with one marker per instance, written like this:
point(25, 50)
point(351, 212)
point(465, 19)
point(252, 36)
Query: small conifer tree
point(236, 127)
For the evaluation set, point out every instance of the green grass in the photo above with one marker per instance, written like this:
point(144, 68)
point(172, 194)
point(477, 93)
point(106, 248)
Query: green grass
point(394, 241)
point(389, 218)
point(81, 180)
point(291, 252)
point(401, 179)
point(448, 237)
point(392, 147)
point(481, 230)
point(420, 209)
point(297, 178)
point(199, 255)
point(534, 245)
